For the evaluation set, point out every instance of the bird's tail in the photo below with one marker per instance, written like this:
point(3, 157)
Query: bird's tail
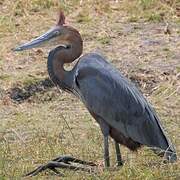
point(168, 151)
point(169, 154)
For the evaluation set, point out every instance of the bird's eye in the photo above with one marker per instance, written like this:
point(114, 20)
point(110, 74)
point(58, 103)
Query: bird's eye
point(56, 33)
point(68, 46)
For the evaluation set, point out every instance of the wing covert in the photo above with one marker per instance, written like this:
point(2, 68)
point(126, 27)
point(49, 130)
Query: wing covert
point(111, 96)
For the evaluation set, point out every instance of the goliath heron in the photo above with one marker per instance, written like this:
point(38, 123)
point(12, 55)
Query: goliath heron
point(117, 105)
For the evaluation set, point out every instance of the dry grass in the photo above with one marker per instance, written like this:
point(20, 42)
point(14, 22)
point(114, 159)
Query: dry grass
point(132, 35)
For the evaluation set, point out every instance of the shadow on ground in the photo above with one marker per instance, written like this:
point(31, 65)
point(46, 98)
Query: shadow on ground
point(21, 94)
point(145, 80)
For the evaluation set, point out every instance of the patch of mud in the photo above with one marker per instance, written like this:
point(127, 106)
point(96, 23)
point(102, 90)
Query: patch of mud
point(149, 80)
point(145, 80)
point(20, 94)
point(147, 84)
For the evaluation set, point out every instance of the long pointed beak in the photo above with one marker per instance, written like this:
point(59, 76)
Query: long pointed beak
point(41, 40)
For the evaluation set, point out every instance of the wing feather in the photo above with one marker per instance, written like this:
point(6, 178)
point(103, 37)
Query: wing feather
point(106, 92)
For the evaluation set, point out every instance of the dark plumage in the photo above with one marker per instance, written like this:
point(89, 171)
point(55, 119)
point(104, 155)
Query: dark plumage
point(110, 96)
point(117, 105)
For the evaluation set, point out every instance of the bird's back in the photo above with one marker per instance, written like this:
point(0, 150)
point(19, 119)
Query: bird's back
point(107, 93)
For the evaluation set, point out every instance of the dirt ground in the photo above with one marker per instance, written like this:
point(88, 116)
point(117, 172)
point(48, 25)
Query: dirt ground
point(38, 122)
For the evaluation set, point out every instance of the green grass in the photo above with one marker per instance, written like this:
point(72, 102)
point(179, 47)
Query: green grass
point(83, 17)
point(104, 40)
point(6, 24)
point(152, 10)
point(49, 123)
point(5, 77)
point(155, 17)
point(30, 80)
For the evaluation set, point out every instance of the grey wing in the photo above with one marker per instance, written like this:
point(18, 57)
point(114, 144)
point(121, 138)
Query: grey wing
point(111, 96)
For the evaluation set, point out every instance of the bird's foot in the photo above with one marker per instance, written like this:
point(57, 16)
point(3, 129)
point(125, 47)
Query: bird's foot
point(120, 163)
point(65, 162)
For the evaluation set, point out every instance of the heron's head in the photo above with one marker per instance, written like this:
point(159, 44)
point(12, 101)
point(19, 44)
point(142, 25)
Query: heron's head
point(59, 35)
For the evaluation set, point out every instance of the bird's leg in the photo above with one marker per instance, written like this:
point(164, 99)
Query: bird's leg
point(105, 131)
point(118, 154)
point(64, 162)
point(106, 152)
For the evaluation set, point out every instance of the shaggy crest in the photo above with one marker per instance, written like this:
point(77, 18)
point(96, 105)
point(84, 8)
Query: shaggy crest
point(61, 19)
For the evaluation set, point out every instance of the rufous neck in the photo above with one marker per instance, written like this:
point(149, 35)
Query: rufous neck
point(60, 55)
point(56, 60)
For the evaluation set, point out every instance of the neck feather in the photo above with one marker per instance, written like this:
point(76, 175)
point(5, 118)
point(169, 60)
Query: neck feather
point(57, 73)
point(60, 55)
